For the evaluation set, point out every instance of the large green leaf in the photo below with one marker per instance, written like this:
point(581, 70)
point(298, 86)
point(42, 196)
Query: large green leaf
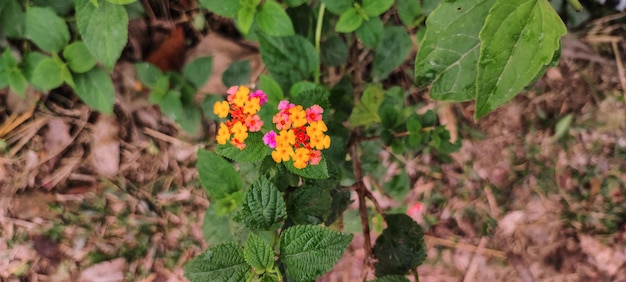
point(221, 228)
point(273, 20)
point(309, 204)
point(220, 263)
point(308, 251)
point(217, 176)
point(104, 29)
point(409, 12)
point(47, 74)
point(255, 149)
point(392, 51)
point(349, 21)
point(238, 73)
point(198, 71)
point(96, 89)
point(46, 29)
point(223, 8)
point(78, 57)
point(400, 247)
point(519, 38)
point(12, 19)
point(318, 171)
point(263, 206)
point(337, 7)
point(258, 254)
point(289, 59)
point(245, 18)
point(449, 53)
point(366, 111)
point(371, 32)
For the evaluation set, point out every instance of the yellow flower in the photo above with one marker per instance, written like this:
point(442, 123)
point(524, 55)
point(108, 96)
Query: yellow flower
point(282, 153)
point(301, 157)
point(285, 138)
point(297, 116)
point(223, 134)
point(221, 109)
point(241, 96)
point(319, 142)
point(240, 131)
point(252, 106)
point(316, 128)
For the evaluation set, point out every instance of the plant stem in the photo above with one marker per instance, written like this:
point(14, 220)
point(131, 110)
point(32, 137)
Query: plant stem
point(576, 5)
point(318, 38)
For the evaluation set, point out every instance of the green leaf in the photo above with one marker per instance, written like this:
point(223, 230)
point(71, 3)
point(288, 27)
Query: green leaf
point(318, 171)
point(160, 89)
point(392, 51)
point(389, 116)
point(337, 7)
point(223, 8)
point(148, 74)
point(104, 29)
point(400, 247)
point(220, 263)
point(47, 74)
point(307, 97)
point(519, 38)
point(263, 206)
point(217, 176)
point(220, 228)
point(17, 81)
point(409, 11)
point(295, 3)
point(78, 57)
point(121, 2)
point(12, 19)
point(349, 21)
point(309, 251)
point(366, 111)
point(258, 254)
point(414, 127)
point(373, 8)
point(289, 59)
point(449, 53)
point(371, 32)
point(309, 204)
point(272, 89)
point(391, 278)
point(46, 29)
point(238, 73)
point(255, 149)
point(96, 89)
point(198, 71)
point(273, 20)
point(334, 52)
point(245, 18)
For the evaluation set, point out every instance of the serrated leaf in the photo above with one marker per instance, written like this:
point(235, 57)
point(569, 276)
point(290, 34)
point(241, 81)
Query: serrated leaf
point(334, 52)
point(255, 149)
point(47, 74)
point(289, 59)
point(223, 8)
point(217, 176)
point(366, 111)
point(400, 247)
point(409, 12)
point(373, 8)
point(349, 21)
point(258, 254)
point(273, 20)
point(12, 19)
point(96, 89)
point(337, 7)
point(78, 57)
point(46, 29)
point(371, 32)
point(309, 251)
point(220, 263)
point(519, 38)
point(148, 74)
point(316, 95)
point(449, 53)
point(238, 73)
point(391, 52)
point(198, 71)
point(263, 206)
point(104, 29)
point(318, 171)
point(309, 204)
point(391, 278)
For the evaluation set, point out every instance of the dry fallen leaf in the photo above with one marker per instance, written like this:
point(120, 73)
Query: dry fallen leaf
point(106, 146)
point(108, 271)
point(606, 259)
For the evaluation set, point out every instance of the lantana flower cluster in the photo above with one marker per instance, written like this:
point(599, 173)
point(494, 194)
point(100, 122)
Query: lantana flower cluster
point(301, 135)
point(242, 106)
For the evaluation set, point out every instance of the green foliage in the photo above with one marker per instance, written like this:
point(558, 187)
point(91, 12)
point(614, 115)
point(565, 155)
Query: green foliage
point(392, 51)
point(366, 112)
point(96, 89)
point(197, 71)
point(273, 20)
point(255, 149)
point(258, 254)
point(308, 251)
point(217, 176)
point(12, 19)
point(238, 73)
point(309, 204)
point(224, 262)
point(319, 171)
point(400, 247)
point(289, 59)
point(78, 58)
point(47, 30)
point(263, 206)
point(391, 278)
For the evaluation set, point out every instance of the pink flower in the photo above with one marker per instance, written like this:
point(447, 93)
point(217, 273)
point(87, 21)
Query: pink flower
point(316, 157)
point(284, 105)
point(254, 123)
point(259, 94)
point(231, 93)
point(282, 121)
point(270, 139)
point(314, 113)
